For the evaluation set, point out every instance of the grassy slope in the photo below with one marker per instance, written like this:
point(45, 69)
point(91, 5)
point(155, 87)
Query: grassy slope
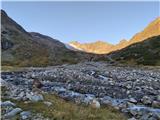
point(27, 52)
point(143, 53)
point(63, 110)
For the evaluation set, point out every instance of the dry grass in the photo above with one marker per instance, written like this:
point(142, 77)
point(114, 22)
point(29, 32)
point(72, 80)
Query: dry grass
point(11, 68)
point(64, 110)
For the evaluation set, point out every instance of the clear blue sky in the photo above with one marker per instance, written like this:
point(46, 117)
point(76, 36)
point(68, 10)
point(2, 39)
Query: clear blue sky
point(84, 21)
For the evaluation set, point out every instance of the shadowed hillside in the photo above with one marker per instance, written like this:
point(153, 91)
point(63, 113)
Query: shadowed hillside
point(21, 48)
point(146, 52)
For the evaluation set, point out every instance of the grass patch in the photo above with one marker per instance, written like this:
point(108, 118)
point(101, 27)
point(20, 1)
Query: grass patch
point(64, 110)
point(11, 68)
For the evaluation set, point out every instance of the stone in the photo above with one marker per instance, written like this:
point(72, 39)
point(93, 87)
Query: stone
point(128, 86)
point(95, 104)
point(132, 118)
point(158, 97)
point(34, 97)
point(22, 94)
point(4, 83)
point(132, 100)
point(128, 92)
point(12, 113)
point(64, 81)
point(129, 104)
point(146, 100)
point(7, 103)
point(47, 103)
point(88, 98)
point(156, 104)
point(25, 115)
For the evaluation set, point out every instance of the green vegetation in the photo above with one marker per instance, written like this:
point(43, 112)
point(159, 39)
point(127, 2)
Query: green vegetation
point(9, 68)
point(64, 110)
point(142, 53)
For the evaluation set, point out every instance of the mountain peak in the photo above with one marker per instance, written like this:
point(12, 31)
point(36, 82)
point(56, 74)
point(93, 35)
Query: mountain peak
point(151, 30)
point(100, 47)
point(123, 41)
point(3, 12)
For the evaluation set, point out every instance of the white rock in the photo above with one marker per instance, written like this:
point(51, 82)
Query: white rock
point(47, 103)
point(95, 104)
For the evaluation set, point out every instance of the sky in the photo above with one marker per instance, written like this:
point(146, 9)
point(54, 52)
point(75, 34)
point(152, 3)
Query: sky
point(83, 21)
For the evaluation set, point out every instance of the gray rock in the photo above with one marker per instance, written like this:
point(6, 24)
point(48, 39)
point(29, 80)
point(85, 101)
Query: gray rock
point(4, 83)
point(12, 113)
point(88, 98)
point(129, 104)
point(34, 97)
point(156, 104)
point(146, 100)
point(25, 115)
point(73, 82)
point(7, 103)
point(158, 97)
point(22, 94)
point(128, 86)
point(132, 100)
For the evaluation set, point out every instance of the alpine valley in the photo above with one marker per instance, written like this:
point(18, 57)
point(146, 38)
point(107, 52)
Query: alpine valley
point(45, 79)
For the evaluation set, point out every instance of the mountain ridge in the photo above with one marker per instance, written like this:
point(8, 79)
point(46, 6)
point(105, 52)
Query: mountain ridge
point(145, 52)
point(22, 48)
point(153, 29)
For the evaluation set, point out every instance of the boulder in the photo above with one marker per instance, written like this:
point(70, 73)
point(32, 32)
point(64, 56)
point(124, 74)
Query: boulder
point(156, 104)
point(146, 100)
point(12, 113)
point(34, 97)
point(132, 100)
point(95, 104)
point(25, 115)
point(7, 103)
point(158, 97)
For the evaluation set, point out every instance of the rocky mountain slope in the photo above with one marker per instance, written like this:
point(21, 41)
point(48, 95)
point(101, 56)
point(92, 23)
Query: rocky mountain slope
point(21, 48)
point(146, 52)
point(96, 47)
point(153, 29)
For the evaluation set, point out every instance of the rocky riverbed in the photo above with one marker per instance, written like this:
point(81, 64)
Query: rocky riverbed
point(134, 91)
